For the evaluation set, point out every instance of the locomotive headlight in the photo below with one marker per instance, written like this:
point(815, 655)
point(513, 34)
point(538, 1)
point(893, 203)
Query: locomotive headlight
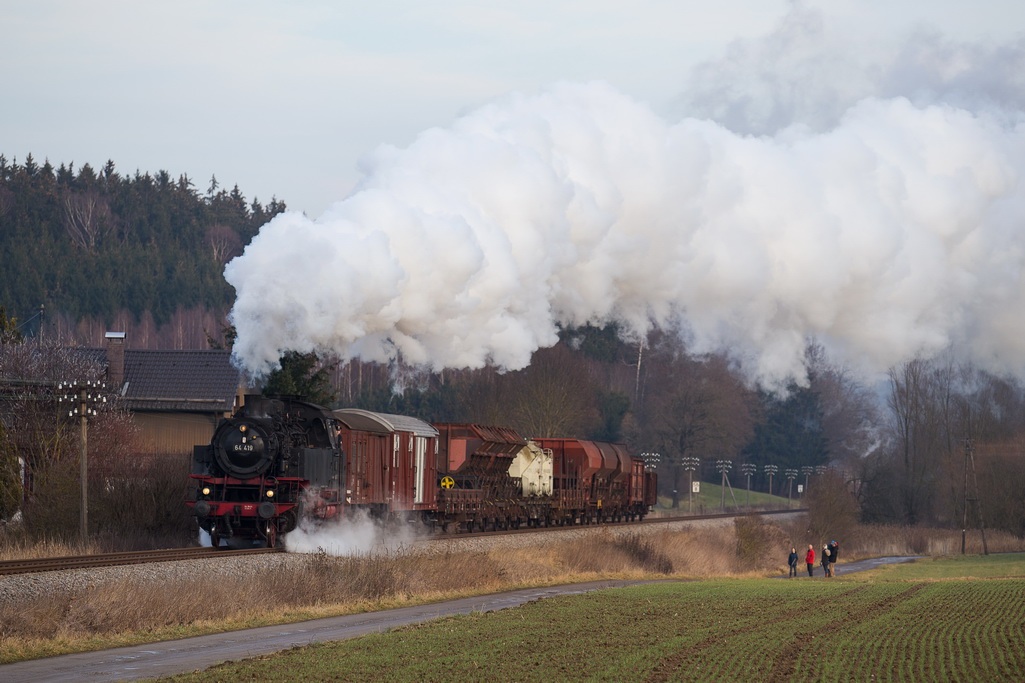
point(270, 493)
point(205, 490)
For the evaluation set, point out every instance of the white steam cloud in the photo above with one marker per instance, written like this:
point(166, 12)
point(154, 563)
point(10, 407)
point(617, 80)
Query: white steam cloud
point(348, 537)
point(884, 220)
point(810, 72)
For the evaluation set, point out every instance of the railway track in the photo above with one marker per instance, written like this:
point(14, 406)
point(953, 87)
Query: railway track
point(48, 564)
point(175, 554)
point(446, 536)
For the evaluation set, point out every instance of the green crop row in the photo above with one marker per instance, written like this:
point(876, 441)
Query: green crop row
point(926, 628)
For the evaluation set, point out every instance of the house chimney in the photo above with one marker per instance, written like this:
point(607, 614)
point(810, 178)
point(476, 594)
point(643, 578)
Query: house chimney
point(115, 359)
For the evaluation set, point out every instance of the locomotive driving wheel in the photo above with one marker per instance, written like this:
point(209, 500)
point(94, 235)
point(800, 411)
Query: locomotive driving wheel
point(271, 534)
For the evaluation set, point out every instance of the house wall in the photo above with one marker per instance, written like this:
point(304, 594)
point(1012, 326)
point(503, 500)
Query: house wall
point(175, 432)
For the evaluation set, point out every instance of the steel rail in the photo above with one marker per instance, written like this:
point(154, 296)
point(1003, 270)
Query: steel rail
point(456, 535)
point(46, 564)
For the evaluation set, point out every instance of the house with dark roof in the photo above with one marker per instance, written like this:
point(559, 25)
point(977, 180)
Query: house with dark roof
point(175, 397)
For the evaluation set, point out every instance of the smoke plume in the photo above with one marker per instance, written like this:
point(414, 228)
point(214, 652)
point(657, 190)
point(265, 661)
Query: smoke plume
point(880, 214)
point(348, 537)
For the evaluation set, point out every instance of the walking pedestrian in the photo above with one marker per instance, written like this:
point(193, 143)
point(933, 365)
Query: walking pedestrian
point(792, 561)
point(809, 559)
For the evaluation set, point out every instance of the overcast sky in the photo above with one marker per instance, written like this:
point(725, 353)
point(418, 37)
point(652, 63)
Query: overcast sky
point(283, 98)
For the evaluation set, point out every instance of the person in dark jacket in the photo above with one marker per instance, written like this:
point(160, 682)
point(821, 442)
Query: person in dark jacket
point(792, 561)
point(809, 559)
point(834, 551)
point(825, 561)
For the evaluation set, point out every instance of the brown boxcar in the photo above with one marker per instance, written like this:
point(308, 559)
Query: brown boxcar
point(389, 462)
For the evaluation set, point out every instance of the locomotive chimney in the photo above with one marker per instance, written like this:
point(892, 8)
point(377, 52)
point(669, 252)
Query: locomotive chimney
point(115, 359)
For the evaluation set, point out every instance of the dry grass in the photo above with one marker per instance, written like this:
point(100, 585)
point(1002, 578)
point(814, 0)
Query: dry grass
point(883, 541)
point(16, 545)
point(126, 612)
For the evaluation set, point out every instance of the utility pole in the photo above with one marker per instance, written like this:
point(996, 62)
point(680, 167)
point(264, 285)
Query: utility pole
point(747, 469)
point(770, 470)
point(82, 398)
point(690, 464)
point(969, 457)
point(791, 474)
point(806, 471)
point(724, 466)
point(651, 462)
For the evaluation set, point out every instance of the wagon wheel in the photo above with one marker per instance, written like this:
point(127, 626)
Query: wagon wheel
point(215, 539)
point(271, 534)
point(291, 520)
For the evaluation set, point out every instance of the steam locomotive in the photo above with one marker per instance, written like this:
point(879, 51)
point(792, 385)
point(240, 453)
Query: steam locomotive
point(280, 459)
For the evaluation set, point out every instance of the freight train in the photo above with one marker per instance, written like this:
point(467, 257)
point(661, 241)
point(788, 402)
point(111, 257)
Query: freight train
point(278, 460)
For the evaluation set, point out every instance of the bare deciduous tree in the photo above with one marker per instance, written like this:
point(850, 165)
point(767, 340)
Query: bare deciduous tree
point(480, 392)
point(833, 509)
point(224, 242)
point(87, 217)
point(36, 428)
point(850, 414)
point(552, 396)
point(917, 435)
point(693, 408)
point(10, 477)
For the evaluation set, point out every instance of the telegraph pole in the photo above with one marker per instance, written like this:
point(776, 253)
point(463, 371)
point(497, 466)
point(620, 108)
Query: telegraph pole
point(747, 469)
point(690, 464)
point(770, 470)
point(82, 397)
point(791, 474)
point(724, 466)
point(969, 457)
point(806, 471)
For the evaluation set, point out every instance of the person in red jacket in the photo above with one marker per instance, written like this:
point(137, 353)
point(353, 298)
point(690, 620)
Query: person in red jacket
point(810, 560)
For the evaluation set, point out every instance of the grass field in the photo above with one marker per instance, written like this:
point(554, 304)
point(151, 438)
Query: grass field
point(956, 619)
point(710, 500)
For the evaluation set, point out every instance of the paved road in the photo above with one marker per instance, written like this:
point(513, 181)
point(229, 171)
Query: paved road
point(181, 656)
point(842, 567)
